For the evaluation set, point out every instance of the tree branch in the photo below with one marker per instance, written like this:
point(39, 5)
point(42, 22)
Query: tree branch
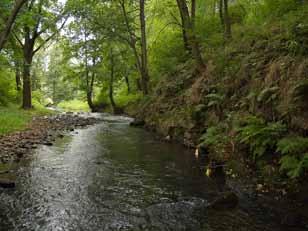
point(50, 37)
point(18, 39)
point(10, 22)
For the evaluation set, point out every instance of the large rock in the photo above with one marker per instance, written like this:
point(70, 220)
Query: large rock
point(5, 183)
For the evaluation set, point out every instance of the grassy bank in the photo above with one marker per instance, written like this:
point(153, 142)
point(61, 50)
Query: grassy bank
point(12, 118)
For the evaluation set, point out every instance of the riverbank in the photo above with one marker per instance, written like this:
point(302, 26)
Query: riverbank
point(40, 130)
point(246, 111)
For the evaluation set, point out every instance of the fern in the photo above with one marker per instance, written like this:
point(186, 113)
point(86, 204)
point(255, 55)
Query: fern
point(294, 162)
point(300, 94)
point(215, 140)
point(214, 99)
point(259, 135)
point(293, 166)
point(268, 95)
point(292, 145)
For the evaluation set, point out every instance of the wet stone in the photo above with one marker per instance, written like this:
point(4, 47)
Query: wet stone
point(6, 183)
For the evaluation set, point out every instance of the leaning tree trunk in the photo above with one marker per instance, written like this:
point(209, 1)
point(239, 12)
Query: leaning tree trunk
point(144, 55)
point(191, 36)
point(132, 42)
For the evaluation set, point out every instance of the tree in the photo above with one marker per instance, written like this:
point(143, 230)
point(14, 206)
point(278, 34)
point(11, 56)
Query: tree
point(9, 22)
point(188, 27)
point(144, 51)
point(141, 57)
point(225, 18)
point(228, 33)
point(39, 27)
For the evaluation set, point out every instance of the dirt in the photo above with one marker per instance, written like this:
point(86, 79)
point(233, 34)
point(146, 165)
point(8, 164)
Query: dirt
point(40, 131)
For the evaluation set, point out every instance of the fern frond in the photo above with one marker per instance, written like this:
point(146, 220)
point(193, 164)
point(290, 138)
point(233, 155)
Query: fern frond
point(292, 145)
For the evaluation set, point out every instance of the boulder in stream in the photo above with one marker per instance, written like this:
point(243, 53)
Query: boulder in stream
point(227, 200)
point(6, 183)
point(137, 123)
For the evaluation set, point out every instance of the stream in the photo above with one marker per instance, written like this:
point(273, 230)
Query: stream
point(111, 176)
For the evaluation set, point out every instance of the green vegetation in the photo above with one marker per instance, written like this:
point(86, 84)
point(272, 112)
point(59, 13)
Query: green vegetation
point(74, 105)
point(259, 135)
point(13, 118)
point(227, 75)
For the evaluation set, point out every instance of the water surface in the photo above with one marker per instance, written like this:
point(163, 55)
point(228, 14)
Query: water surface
point(114, 177)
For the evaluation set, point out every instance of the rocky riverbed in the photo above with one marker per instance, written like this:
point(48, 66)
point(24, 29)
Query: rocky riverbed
point(41, 131)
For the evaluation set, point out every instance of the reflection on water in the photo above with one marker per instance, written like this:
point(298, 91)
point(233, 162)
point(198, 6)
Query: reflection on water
point(114, 177)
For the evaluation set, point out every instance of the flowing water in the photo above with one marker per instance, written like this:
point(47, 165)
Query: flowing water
point(114, 177)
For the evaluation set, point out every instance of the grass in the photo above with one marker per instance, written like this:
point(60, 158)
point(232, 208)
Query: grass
point(74, 105)
point(12, 118)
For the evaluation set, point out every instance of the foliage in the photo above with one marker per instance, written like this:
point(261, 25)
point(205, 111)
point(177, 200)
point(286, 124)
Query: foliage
point(74, 105)
point(123, 99)
point(259, 135)
point(215, 140)
point(214, 99)
point(300, 94)
point(7, 91)
point(295, 151)
point(292, 145)
point(268, 95)
point(294, 167)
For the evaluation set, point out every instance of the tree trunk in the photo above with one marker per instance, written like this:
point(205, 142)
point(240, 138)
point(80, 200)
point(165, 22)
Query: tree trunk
point(184, 34)
point(144, 55)
point(54, 83)
point(221, 14)
point(114, 107)
point(17, 77)
point(228, 32)
point(28, 57)
point(10, 22)
point(132, 40)
point(193, 13)
point(191, 36)
point(90, 85)
point(27, 97)
point(127, 83)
